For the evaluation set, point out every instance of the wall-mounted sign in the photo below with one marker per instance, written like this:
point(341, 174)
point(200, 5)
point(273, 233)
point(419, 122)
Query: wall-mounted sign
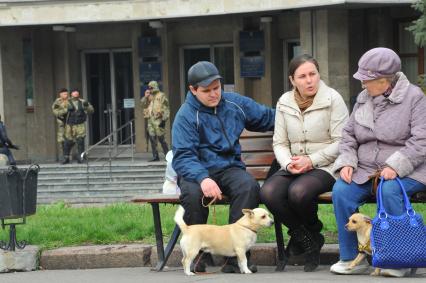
point(252, 67)
point(150, 71)
point(252, 41)
point(149, 46)
point(128, 103)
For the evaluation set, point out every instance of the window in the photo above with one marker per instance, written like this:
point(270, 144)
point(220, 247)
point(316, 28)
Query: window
point(28, 74)
point(411, 56)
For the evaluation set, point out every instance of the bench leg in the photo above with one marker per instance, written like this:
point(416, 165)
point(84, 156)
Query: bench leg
point(282, 257)
point(163, 255)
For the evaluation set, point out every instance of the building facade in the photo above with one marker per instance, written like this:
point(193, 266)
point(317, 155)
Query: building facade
point(111, 49)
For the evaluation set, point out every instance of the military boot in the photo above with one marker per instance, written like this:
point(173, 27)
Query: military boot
point(66, 152)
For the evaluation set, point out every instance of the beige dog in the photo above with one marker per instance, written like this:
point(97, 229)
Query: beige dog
point(228, 240)
point(361, 224)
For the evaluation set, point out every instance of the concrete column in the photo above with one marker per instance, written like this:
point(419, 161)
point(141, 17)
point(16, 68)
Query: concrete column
point(328, 40)
point(140, 145)
point(264, 96)
point(41, 123)
point(239, 81)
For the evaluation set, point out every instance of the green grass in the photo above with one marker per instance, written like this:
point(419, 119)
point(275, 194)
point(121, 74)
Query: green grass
point(60, 225)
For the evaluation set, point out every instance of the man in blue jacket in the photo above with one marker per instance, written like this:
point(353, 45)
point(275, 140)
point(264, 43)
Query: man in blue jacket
point(207, 152)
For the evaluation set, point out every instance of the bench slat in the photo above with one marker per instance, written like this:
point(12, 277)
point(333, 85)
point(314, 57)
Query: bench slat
point(256, 145)
point(262, 159)
point(258, 172)
point(248, 134)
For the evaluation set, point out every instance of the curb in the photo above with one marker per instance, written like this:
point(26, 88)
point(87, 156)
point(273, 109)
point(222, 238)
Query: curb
point(139, 255)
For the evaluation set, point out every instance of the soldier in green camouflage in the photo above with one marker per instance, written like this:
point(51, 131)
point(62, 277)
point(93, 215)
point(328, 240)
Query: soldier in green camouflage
point(75, 127)
point(157, 112)
point(59, 109)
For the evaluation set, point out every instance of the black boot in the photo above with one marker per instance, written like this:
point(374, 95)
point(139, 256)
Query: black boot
point(313, 259)
point(66, 152)
point(311, 246)
point(231, 265)
point(294, 248)
point(80, 150)
point(153, 140)
point(201, 261)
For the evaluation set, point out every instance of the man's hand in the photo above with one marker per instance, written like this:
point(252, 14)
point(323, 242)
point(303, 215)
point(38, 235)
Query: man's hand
point(211, 189)
point(388, 173)
point(346, 174)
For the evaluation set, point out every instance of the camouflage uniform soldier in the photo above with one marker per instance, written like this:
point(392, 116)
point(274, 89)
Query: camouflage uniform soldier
point(75, 128)
point(59, 109)
point(157, 112)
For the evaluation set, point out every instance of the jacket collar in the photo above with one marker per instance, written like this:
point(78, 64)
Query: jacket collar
point(364, 115)
point(397, 94)
point(322, 99)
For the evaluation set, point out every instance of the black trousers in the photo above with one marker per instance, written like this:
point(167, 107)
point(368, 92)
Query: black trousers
point(292, 199)
point(238, 185)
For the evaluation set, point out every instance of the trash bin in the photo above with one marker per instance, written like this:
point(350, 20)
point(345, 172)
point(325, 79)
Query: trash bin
point(18, 192)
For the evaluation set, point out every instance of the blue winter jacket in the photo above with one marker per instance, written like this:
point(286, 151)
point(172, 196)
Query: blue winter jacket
point(205, 139)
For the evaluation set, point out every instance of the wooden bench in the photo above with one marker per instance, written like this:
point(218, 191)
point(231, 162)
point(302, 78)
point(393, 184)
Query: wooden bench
point(258, 155)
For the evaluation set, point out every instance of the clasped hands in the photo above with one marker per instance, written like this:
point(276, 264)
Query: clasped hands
point(299, 164)
point(387, 173)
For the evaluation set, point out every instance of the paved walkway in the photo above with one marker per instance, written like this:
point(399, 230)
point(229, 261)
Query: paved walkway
point(145, 275)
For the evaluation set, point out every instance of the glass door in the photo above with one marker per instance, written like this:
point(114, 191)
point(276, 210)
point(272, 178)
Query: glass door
point(221, 55)
point(108, 86)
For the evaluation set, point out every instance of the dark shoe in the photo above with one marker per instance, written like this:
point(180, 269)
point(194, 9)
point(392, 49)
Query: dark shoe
point(310, 244)
point(312, 260)
point(201, 261)
point(65, 161)
point(154, 159)
point(231, 265)
point(294, 248)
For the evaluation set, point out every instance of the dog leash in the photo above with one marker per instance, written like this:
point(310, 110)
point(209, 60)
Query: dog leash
point(212, 202)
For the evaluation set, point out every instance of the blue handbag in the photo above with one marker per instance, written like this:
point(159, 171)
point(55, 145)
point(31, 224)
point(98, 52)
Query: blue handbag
point(398, 241)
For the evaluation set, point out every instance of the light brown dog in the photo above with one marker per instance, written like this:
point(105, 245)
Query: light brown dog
point(229, 240)
point(361, 224)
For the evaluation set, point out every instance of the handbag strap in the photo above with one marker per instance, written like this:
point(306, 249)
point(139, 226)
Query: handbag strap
point(381, 208)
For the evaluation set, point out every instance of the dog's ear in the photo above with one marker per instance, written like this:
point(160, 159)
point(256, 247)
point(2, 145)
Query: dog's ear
point(248, 212)
point(367, 219)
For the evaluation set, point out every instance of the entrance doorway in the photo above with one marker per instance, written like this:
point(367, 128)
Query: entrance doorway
point(222, 55)
point(108, 84)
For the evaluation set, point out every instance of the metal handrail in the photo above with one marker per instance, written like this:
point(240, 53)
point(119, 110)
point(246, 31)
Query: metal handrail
point(108, 138)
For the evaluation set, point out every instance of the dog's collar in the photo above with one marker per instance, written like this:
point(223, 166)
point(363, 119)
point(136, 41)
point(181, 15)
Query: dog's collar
point(254, 231)
point(365, 248)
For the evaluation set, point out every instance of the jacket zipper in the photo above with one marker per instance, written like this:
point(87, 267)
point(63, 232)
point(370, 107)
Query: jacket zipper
point(223, 128)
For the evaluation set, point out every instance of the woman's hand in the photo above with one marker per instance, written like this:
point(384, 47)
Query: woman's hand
point(346, 174)
point(299, 165)
point(388, 173)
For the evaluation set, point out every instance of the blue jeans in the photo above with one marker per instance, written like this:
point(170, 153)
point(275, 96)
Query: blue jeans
point(347, 198)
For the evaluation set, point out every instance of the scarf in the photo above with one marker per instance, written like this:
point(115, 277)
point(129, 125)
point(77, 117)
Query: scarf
point(302, 102)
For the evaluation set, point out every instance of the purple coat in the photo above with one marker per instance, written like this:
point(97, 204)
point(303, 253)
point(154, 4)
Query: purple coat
point(386, 132)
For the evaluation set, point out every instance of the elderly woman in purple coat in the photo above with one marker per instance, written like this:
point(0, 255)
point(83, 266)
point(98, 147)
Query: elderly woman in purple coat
point(386, 133)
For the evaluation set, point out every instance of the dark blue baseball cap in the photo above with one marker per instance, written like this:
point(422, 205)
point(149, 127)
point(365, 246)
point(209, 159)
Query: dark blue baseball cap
point(203, 73)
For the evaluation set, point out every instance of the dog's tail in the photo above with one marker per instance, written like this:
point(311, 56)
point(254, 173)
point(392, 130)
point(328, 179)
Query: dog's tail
point(179, 219)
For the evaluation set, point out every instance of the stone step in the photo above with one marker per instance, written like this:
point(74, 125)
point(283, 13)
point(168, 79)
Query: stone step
point(154, 171)
point(92, 198)
point(101, 179)
point(82, 185)
point(123, 167)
